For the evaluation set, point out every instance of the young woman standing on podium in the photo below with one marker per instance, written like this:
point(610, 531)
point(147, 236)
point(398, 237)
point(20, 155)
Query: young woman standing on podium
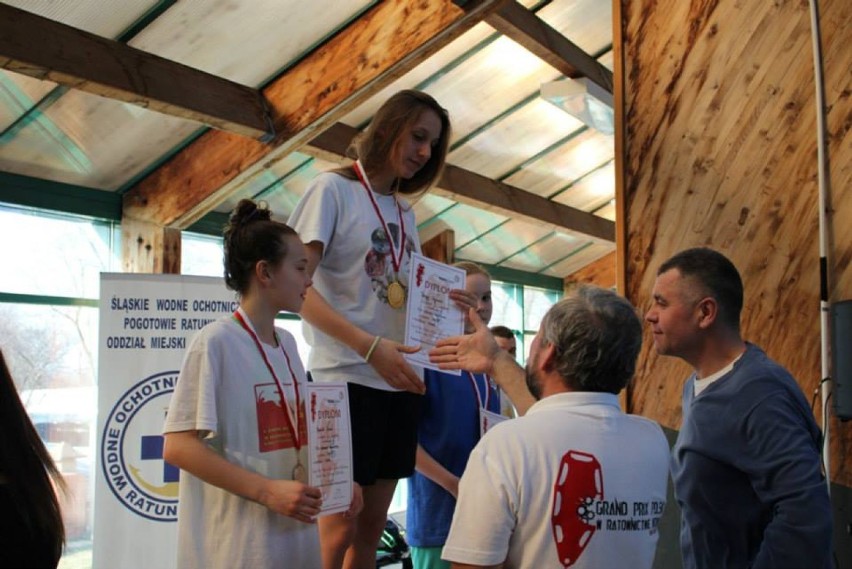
point(236, 423)
point(360, 233)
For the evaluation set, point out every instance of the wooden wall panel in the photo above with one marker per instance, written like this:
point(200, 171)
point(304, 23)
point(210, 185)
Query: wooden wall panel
point(600, 273)
point(720, 150)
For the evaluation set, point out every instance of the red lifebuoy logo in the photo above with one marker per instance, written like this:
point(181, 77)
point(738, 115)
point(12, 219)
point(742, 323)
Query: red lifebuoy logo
point(578, 486)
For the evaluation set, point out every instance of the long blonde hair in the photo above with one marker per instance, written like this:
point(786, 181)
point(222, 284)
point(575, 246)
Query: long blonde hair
point(379, 142)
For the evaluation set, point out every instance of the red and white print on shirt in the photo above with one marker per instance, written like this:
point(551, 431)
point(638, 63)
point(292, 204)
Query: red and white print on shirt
point(272, 430)
point(378, 264)
point(578, 486)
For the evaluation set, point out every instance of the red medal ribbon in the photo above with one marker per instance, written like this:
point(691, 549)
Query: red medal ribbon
point(292, 422)
point(396, 253)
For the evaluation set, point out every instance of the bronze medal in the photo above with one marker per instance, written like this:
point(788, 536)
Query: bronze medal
point(396, 295)
point(291, 417)
point(300, 474)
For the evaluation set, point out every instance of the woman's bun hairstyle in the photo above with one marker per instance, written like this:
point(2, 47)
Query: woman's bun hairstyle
point(249, 237)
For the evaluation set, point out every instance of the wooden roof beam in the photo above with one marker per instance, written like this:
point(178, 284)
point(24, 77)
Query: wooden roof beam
point(46, 49)
point(477, 190)
point(523, 26)
point(367, 55)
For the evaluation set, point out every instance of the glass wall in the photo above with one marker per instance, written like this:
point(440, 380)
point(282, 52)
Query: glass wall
point(48, 334)
point(201, 255)
point(521, 308)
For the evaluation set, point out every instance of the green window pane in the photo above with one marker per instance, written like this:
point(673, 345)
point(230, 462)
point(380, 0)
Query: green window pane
point(55, 255)
point(52, 356)
point(201, 255)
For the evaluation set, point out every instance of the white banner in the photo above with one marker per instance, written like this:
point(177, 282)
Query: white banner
point(146, 322)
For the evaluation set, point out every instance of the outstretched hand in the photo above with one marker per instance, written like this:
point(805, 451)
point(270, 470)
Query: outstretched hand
point(473, 352)
point(388, 361)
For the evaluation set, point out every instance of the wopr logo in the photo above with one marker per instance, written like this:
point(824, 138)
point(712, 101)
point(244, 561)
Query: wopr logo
point(132, 450)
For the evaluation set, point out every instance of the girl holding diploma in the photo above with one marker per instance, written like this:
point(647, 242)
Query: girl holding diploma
point(236, 422)
point(360, 233)
point(450, 426)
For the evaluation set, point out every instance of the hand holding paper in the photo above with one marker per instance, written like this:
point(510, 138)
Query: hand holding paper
point(432, 312)
point(329, 445)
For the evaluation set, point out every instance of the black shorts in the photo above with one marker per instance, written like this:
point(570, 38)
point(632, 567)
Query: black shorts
point(384, 433)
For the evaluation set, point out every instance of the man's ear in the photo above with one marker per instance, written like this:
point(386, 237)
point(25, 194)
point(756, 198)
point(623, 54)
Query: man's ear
point(708, 310)
point(547, 357)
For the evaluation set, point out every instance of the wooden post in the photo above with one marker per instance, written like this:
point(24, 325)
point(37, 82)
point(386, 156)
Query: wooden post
point(149, 248)
point(441, 247)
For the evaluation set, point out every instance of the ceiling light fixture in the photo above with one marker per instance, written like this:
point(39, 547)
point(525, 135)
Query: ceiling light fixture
point(583, 99)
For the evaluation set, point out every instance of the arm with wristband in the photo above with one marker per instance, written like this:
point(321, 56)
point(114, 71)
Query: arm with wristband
point(386, 356)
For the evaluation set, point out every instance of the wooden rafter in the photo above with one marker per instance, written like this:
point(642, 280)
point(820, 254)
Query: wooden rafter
point(46, 49)
point(523, 26)
point(366, 56)
point(471, 188)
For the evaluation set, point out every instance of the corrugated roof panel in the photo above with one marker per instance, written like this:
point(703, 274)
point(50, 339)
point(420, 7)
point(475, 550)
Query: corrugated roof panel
point(294, 185)
point(281, 198)
point(587, 23)
point(90, 141)
point(18, 94)
point(106, 18)
point(541, 254)
point(580, 259)
point(426, 212)
point(425, 73)
point(467, 222)
point(492, 80)
point(508, 143)
point(263, 185)
point(493, 247)
point(607, 211)
point(430, 70)
point(246, 42)
point(591, 191)
point(555, 170)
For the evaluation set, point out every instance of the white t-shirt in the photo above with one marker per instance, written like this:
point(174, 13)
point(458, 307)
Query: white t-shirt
point(226, 391)
point(700, 385)
point(575, 480)
point(355, 270)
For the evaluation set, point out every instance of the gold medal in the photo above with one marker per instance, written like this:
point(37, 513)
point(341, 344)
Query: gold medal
point(396, 295)
point(396, 292)
point(300, 474)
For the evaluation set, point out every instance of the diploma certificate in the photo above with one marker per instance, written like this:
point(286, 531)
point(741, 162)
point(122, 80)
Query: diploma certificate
point(431, 315)
point(329, 444)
